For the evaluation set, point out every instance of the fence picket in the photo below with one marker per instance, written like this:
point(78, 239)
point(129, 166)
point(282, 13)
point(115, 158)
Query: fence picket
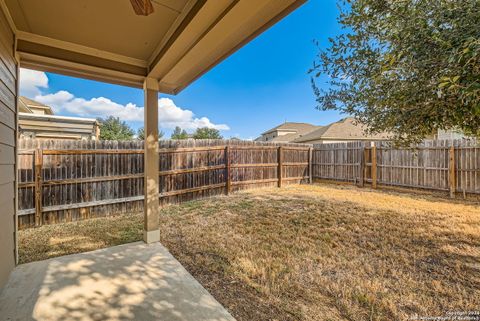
point(107, 177)
point(98, 178)
point(426, 166)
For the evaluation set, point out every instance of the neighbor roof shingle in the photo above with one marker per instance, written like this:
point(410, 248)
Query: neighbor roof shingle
point(343, 129)
point(300, 128)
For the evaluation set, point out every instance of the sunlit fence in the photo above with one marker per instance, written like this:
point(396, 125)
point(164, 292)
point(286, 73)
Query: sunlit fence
point(62, 181)
point(452, 166)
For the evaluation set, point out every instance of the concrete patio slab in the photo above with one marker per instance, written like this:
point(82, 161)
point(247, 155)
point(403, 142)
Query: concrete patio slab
point(135, 281)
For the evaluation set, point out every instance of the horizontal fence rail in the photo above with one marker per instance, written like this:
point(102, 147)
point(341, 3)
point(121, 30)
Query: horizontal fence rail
point(62, 181)
point(452, 166)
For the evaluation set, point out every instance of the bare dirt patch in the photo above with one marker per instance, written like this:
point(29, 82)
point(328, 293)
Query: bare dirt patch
point(313, 252)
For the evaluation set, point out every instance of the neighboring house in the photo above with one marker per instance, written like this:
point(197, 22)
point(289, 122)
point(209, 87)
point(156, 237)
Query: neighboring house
point(30, 106)
point(37, 120)
point(286, 132)
point(344, 130)
point(450, 134)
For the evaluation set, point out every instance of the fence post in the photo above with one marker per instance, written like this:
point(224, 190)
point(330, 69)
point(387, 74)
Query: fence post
point(374, 166)
point(451, 171)
point(38, 163)
point(362, 167)
point(280, 162)
point(310, 165)
point(227, 168)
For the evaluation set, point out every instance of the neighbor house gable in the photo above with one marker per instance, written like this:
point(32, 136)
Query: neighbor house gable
point(286, 132)
point(347, 129)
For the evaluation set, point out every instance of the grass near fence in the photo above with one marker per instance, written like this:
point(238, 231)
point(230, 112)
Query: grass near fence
point(64, 181)
point(308, 252)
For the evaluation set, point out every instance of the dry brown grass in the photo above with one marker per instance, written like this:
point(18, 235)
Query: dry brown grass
point(320, 252)
point(68, 238)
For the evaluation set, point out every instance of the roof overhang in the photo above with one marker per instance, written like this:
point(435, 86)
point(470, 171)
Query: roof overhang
point(105, 40)
point(49, 118)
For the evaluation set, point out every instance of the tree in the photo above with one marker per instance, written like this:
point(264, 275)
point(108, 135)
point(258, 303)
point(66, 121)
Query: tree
point(178, 133)
point(207, 133)
point(408, 67)
point(112, 128)
point(141, 134)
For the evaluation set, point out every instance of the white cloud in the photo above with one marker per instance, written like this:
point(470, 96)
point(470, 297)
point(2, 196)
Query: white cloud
point(63, 102)
point(170, 115)
point(31, 82)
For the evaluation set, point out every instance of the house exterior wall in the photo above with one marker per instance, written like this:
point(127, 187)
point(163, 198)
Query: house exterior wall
point(327, 141)
point(267, 137)
point(450, 134)
point(54, 127)
point(38, 111)
point(8, 128)
point(271, 135)
point(284, 132)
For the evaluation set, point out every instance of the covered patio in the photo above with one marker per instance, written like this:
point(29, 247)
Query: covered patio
point(136, 281)
point(161, 46)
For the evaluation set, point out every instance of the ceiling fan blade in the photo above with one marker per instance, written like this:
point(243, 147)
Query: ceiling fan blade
point(142, 7)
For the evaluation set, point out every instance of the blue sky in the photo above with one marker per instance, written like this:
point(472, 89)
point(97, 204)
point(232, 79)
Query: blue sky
point(260, 86)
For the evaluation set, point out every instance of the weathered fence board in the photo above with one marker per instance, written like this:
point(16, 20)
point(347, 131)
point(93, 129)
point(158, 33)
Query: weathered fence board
point(82, 179)
point(62, 181)
point(452, 166)
point(338, 161)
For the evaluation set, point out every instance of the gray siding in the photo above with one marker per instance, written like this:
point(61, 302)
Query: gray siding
point(8, 124)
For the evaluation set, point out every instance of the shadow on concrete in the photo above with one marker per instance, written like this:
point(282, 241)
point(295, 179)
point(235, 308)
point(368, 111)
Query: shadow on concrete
point(128, 282)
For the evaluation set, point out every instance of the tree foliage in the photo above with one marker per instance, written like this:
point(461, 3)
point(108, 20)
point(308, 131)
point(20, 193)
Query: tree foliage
point(112, 128)
point(141, 134)
point(178, 133)
point(207, 133)
point(408, 67)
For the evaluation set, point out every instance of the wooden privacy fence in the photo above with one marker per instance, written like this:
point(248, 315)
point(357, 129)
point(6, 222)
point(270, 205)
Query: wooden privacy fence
point(452, 166)
point(62, 181)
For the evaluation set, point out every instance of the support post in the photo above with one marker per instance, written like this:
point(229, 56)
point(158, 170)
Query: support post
point(374, 166)
point(280, 164)
point(151, 232)
point(228, 182)
point(38, 160)
point(310, 165)
point(451, 171)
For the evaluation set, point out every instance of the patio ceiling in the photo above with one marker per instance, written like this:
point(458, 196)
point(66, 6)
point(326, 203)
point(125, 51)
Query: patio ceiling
point(104, 40)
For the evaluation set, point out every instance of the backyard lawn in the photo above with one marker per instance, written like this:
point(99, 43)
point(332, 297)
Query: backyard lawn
point(310, 252)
